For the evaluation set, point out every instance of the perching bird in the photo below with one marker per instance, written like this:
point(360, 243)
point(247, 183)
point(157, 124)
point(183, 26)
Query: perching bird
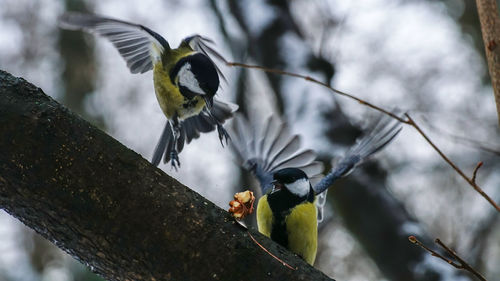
point(185, 79)
point(291, 207)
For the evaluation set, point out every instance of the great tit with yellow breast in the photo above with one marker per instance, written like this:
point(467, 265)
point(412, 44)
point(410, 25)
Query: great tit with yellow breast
point(185, 79)
point(291, 207)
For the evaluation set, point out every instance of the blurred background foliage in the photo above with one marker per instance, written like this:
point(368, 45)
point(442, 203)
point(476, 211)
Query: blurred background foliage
point(425, 57)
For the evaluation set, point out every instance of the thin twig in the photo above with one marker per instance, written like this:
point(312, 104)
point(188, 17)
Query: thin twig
point(361, 101)
point(269, 253)
point(415, 241)
point(461, 263)
point(474, 174)
point(313, 80)
point(464, 264)
point(469, 141)
point(460, 172)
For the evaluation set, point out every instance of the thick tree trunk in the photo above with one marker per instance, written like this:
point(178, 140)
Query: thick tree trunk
point(490, 28)
point(108, 207)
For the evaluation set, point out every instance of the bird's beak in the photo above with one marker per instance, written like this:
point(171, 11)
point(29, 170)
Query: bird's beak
point(277, 186)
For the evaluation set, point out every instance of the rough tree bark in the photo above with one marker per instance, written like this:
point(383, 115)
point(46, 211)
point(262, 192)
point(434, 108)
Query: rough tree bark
point(111, 209)
point(490, 28)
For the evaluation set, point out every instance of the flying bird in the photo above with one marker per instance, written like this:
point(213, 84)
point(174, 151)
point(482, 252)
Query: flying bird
point(185, 79)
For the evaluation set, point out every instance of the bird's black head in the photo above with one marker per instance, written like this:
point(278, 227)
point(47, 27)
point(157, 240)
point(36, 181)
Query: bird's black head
point(289, 175)
point(293, 180)
point(195, 75)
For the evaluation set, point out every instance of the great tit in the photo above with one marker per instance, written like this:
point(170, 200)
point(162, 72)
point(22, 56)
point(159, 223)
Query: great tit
point(185, 79)
point(291, 207)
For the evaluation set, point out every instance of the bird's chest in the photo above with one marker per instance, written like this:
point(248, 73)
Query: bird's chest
point(302, 230)
point(293, 225)
point(171, 101)
point(295, 228)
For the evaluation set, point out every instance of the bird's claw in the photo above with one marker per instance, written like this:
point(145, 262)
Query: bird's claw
point(223, 134)
point(174, 160)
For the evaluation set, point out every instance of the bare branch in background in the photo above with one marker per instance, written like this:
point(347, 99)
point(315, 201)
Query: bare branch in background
point(468, 141)
point(474, 173)
point(410, 121)
point(313, 80)
point(461, 263)
point(490, 27)
point(472, 182)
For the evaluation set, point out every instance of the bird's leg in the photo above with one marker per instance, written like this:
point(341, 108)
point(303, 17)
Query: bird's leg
point(209, 102)
point(223, 134)
point(174, 158)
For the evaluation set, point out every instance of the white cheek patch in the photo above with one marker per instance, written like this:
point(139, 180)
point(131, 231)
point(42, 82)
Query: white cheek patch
point(299, 187)
point(188, 80)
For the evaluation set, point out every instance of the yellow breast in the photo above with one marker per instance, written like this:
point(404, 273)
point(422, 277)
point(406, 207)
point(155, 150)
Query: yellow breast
point(171, 101)
point(264, 216)
point(301, 225)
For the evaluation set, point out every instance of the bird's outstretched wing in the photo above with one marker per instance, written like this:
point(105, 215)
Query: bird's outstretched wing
point(138, 45)
point(384, 131)
point(191, 128)
point(265, 148)
point(202, 44)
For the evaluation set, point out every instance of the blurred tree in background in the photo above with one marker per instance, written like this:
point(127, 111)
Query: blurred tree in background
point(391, 53)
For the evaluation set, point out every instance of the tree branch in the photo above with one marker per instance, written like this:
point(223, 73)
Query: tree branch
point(471, 181)
point(462, 264)
point(316, 81)
point(111, 209)
point(490, 28)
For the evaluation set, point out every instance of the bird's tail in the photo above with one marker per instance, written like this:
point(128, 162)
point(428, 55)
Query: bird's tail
point(165, 144)
point(191, 128)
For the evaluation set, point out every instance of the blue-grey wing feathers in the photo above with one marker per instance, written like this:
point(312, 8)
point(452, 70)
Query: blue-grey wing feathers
point(266, 148)
point(138, 45)
point(385, 130)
